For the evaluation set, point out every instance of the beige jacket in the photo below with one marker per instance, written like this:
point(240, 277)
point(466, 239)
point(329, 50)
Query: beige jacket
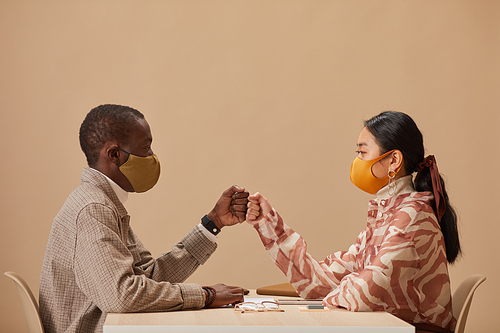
point(95, 264)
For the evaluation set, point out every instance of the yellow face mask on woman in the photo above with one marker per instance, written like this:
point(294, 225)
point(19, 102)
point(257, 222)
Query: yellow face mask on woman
point(142, 172)
point(362, 174)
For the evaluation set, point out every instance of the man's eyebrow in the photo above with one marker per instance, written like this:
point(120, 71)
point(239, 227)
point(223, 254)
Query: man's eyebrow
point(361, 144)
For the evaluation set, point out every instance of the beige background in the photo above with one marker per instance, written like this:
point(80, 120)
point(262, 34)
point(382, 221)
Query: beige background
point(270, 95)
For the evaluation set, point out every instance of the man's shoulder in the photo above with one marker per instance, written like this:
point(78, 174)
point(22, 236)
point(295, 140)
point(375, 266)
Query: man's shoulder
point(94, 190)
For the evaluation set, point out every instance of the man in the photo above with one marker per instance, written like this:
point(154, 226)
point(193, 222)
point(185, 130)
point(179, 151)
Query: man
point(95, 264)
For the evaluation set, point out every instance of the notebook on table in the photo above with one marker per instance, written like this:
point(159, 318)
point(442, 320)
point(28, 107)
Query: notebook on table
point(282, 289)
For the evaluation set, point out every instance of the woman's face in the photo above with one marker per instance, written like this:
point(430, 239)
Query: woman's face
point(368, 149)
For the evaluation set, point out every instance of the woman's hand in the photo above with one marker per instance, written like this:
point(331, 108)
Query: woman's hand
point(258, 207)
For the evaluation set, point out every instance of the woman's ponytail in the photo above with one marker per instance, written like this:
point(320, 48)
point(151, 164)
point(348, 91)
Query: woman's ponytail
point(446, 214)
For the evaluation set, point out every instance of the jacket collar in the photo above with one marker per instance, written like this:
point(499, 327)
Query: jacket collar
point(404, 185)
point(99, 180)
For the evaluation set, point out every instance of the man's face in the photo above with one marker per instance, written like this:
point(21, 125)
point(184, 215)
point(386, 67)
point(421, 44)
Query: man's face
point(140, 140)
point(117, 154)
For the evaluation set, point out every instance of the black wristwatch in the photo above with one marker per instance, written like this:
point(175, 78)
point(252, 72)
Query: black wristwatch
point(210, 225)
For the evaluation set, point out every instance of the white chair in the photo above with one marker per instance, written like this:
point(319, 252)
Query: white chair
point(462, 299)
point(28, 303)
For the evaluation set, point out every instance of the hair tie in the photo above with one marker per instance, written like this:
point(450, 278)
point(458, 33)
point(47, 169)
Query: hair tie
point(426, 163)
point(430, 162)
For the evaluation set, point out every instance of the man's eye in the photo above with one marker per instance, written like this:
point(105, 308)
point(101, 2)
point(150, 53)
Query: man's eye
point(359, 152)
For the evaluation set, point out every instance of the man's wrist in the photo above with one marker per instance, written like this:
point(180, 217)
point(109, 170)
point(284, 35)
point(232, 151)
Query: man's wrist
point(210, 225)
point(207, 296)
point(215, 218)
point(211, 295)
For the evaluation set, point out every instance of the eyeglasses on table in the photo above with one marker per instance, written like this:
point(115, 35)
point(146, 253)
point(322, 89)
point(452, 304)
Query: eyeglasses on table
point(264, 306)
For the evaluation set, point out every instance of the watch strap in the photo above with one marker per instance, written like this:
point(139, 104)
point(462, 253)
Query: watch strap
point(210, 225)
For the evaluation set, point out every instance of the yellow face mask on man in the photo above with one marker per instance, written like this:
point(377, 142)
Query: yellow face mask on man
point(362, 174)
point(142, 172)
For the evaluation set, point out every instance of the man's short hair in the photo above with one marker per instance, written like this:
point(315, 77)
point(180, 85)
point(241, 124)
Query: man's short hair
point(106, 123)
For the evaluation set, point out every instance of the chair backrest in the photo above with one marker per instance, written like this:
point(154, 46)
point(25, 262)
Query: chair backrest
point(462, 299)
point(28, 303)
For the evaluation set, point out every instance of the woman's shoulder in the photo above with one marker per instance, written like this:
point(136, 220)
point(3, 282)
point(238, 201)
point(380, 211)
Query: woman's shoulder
point(416, 199)
point(415, 208)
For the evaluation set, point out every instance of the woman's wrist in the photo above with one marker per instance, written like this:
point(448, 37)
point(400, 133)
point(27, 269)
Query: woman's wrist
point(271, 225)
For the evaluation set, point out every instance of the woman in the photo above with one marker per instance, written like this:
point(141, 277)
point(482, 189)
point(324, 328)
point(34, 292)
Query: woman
point(399, 263)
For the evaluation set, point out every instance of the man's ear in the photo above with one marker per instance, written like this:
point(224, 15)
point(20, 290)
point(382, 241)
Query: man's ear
point(113, 154)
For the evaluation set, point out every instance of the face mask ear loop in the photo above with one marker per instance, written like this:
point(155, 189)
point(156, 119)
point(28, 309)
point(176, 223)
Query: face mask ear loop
point(122, 150)
point(126, 152)
point(118, 165)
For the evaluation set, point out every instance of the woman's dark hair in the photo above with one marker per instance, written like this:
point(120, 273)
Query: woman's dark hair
point(106, 123)
point(396, 130)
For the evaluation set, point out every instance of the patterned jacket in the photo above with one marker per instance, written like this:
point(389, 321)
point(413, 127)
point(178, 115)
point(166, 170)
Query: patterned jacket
point(95, 264)
point(397, 264)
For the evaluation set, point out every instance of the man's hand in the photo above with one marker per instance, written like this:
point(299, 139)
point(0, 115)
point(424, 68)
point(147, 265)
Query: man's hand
point(258, 207)
point(231, 208)
point(226, 295)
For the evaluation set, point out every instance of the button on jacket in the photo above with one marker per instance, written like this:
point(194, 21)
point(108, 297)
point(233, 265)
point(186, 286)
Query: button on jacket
point(95, 264)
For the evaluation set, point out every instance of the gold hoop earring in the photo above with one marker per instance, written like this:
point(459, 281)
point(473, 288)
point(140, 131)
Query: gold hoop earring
point(391, 187)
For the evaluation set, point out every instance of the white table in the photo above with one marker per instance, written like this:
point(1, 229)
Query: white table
point(225, 320)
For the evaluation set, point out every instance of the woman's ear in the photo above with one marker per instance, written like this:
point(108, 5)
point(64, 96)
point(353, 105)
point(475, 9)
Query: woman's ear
point(397, 162)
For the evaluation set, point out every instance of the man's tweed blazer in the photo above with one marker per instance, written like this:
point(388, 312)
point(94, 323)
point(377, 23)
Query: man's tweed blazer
point(95, 264)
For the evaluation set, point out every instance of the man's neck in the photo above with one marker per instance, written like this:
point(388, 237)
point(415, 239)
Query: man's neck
point(120, 193)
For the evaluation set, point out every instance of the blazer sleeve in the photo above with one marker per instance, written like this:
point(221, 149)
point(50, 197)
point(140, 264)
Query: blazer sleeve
point(117, 278)
point(177, 264)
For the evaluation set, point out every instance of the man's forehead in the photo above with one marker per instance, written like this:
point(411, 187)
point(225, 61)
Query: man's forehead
point(140, 132)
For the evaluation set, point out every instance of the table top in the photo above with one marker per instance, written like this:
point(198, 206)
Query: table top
point(222, 320)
